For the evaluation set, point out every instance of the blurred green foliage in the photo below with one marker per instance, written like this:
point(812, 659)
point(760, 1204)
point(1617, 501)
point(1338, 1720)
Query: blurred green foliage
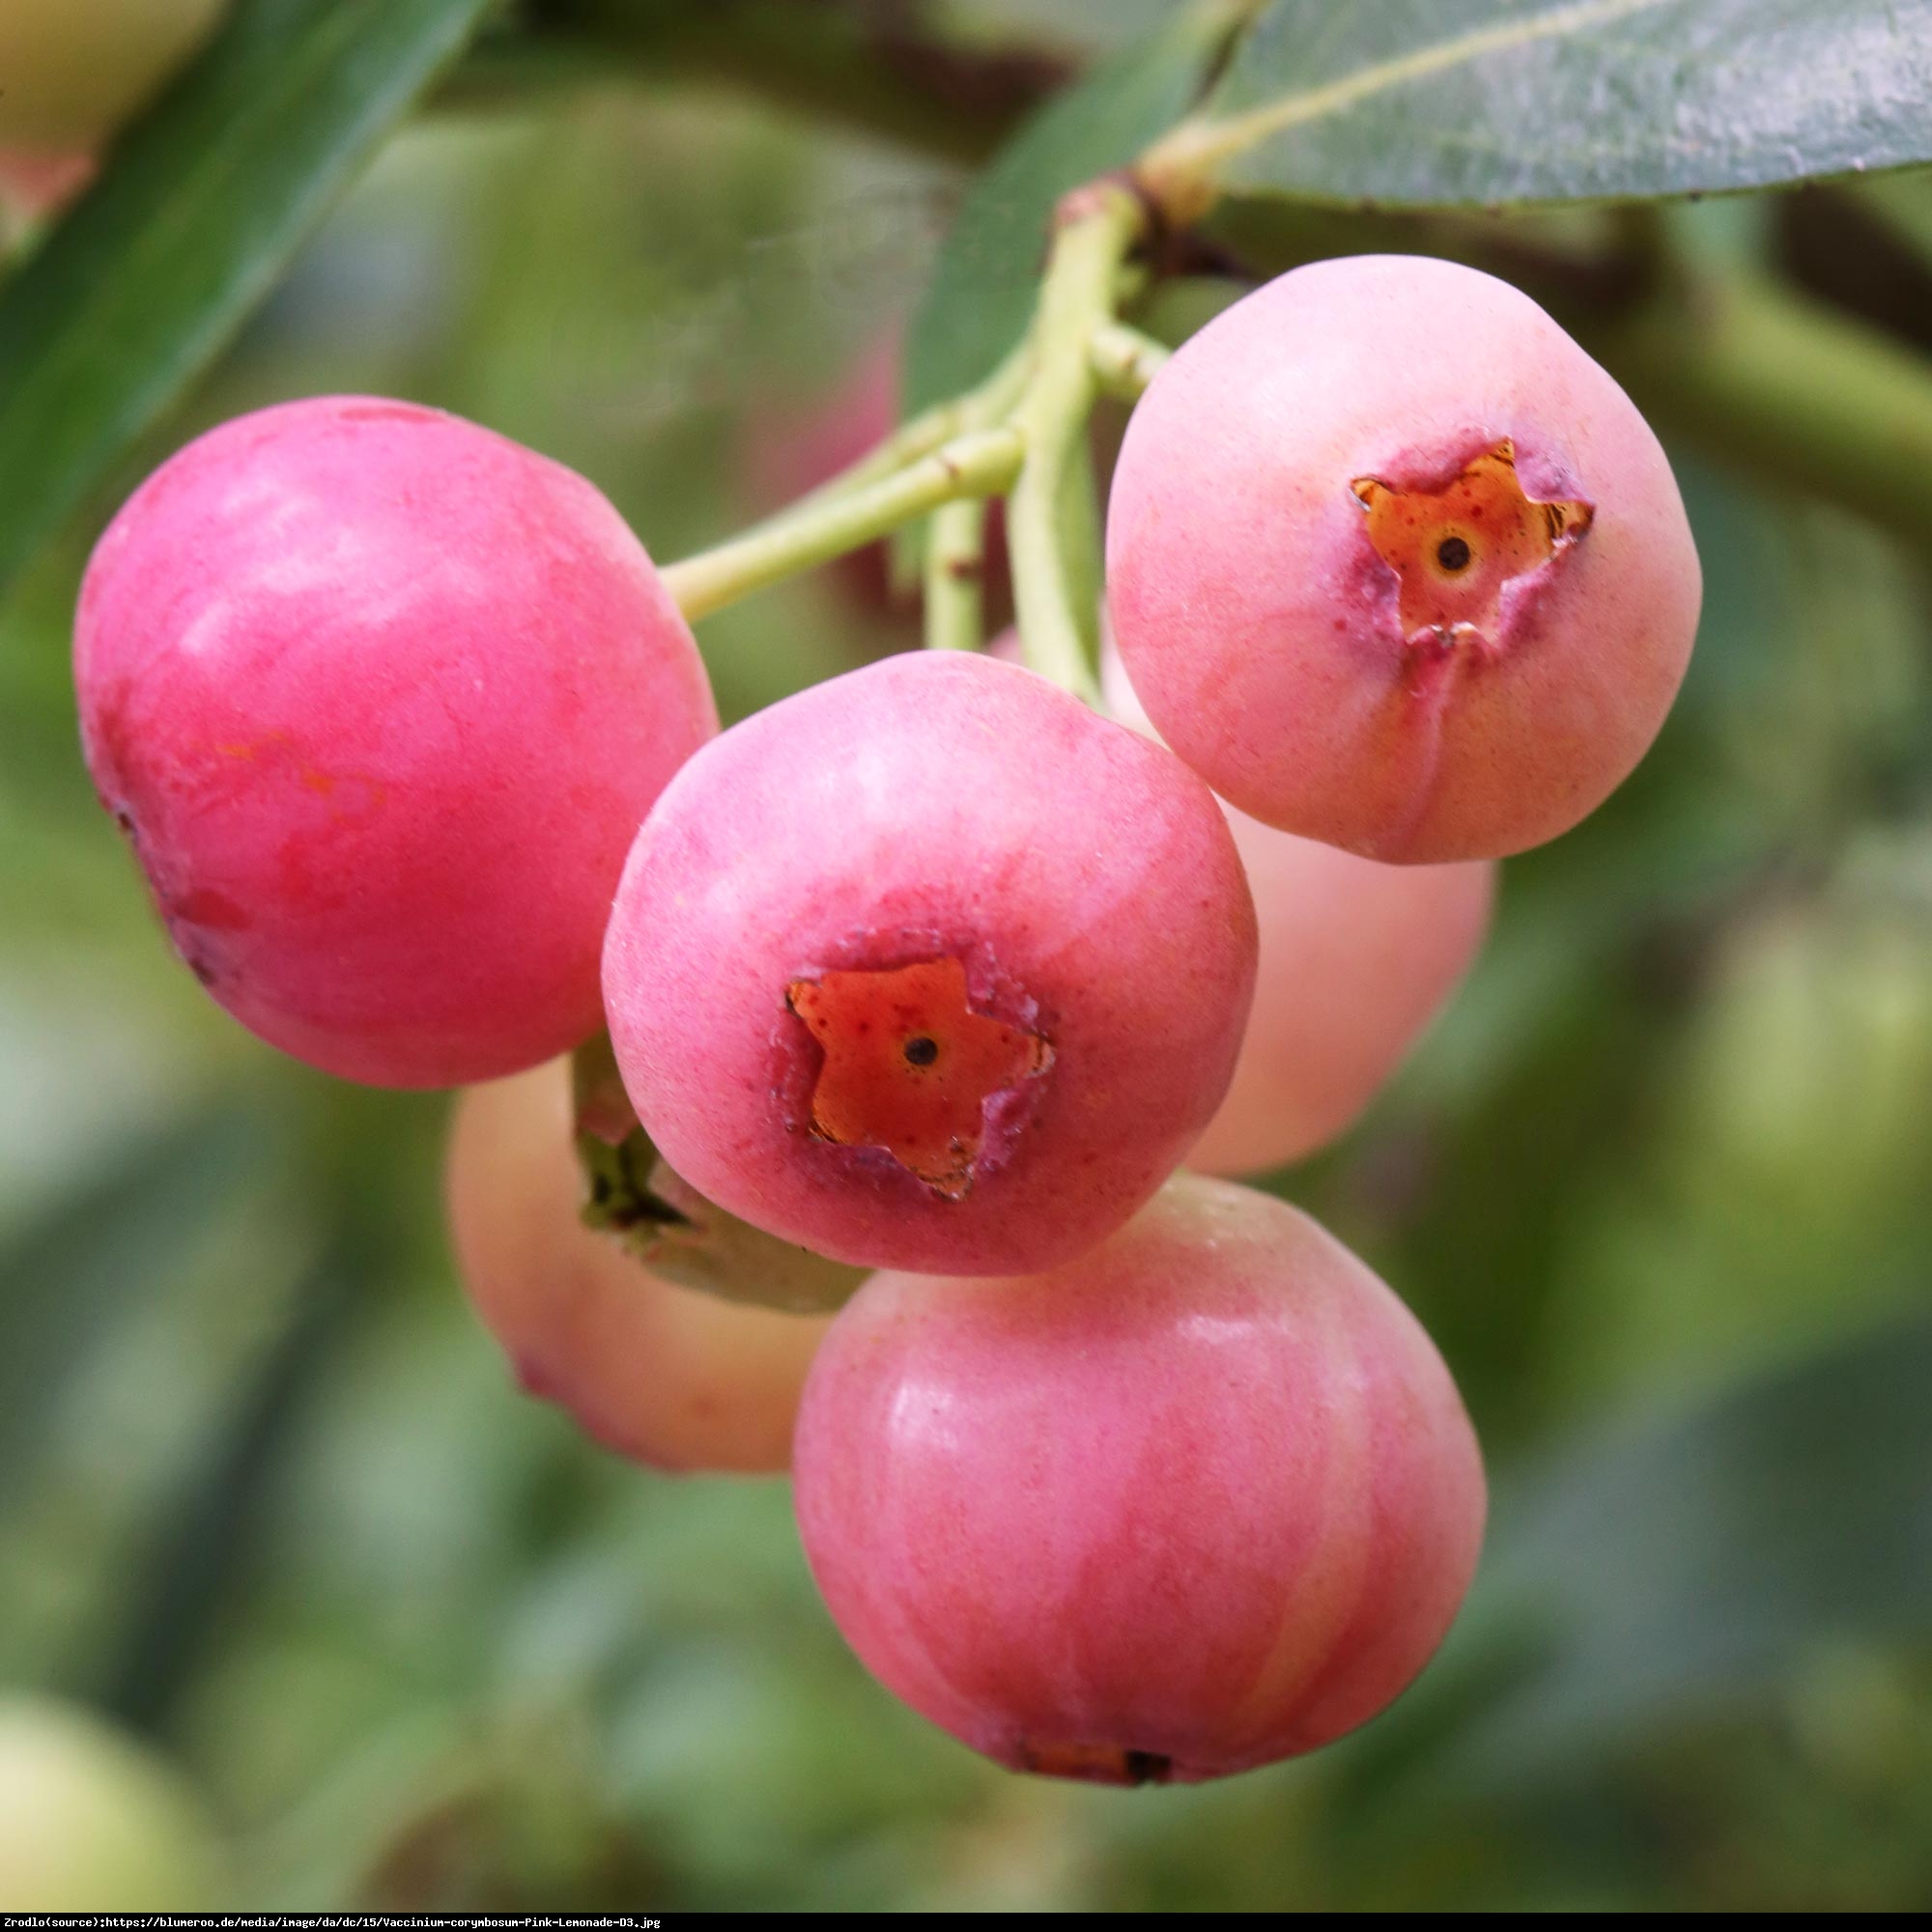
point(1660, 1184)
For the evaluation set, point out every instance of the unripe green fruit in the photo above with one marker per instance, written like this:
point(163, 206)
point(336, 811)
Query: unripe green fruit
point(91, 1820)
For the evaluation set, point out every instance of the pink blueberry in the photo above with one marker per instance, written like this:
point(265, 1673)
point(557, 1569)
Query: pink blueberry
point(667, 1376)
point(1392, 563)
point(930, 966)
point(380, 699)
point(1356, 959)
point(1202, 1498)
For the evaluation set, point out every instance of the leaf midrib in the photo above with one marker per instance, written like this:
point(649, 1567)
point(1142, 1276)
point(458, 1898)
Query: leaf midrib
point(1217, 141)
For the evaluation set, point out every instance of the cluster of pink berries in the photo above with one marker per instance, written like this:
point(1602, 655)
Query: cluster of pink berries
point(1113, 1471)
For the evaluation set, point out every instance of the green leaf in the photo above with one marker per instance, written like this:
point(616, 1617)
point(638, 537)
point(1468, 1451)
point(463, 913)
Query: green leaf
point(981, 294)
point(1684, 1564)
point(1429, 104)
point(199, 211)
point(1695, 1557)
point(69, 1276)
point(199, 1542)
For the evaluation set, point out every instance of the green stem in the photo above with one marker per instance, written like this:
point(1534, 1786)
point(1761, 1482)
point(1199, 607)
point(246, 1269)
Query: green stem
point(956, 557)
point(955, 541)
point(980, 409)
point(979, 464)
point(1083, 542)
point(1124, 361)
point(1058, 607)
point(1766, 376)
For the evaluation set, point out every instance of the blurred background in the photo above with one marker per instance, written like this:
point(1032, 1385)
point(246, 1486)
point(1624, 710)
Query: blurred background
point(1660, 1184)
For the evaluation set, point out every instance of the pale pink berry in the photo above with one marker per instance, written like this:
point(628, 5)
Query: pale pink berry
point(1202, 1498)
point(668, 1376)
point(1392, 563)
point(38, 182)
point(930, 966)
point(1356, 959)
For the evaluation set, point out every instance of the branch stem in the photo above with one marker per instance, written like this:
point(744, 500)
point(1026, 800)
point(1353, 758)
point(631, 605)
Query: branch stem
point(980, 409)
point(1760, 375)
point(955, 558)
point(981, 462)
point(851, 63)
point(1124, 361)
point(1058, 607)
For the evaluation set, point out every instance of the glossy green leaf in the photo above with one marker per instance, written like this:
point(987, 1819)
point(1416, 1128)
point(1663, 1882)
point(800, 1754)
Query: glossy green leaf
point(1449, 103)
point(196, 216)
point(980, 296)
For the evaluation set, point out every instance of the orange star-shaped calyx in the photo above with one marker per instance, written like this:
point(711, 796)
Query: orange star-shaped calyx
point(909, 1065)
point(1456, 548)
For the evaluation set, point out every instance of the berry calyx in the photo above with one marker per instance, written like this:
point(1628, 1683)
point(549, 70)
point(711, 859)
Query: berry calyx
point(909, 1065)
point(1457, 547)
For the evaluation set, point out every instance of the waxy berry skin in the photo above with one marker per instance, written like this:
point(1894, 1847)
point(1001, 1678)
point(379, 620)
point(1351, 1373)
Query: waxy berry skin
point(949, 826)
point(667, 1376)
point(379, 698)
point(1393, 564)
point(1356, 961)
point(1202, 1498)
